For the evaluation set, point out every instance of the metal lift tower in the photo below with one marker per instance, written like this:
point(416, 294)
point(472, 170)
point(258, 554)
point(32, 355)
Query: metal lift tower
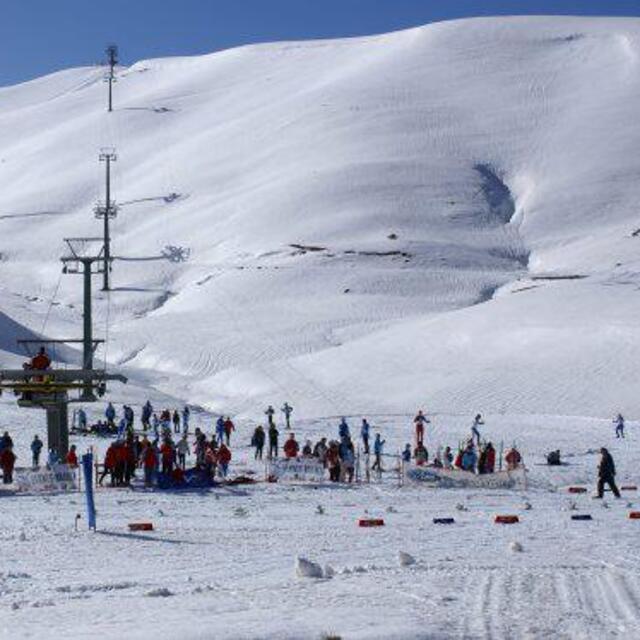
point(53, 389)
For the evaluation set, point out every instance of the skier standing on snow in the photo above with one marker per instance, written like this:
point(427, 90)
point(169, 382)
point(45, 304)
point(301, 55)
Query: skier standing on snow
point(420, 420)
point(475, 432)
point(287, 409)
point(175, 418)
point(364, 434)
point(186, 414)
point(343, 429)
point(258, 441)
point(147, 412)
point(273, 441)
point(220, 429)
point(36, 448)
point(228, 428)
point(607, 474)
point(406, 454)
point(378, 447)
point(110, 415)
point(619, 422)
point(183, 451)
point(291, 446)
point(82, 419)
point(7, 462)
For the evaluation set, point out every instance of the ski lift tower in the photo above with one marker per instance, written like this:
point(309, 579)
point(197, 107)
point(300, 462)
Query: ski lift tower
point(53, 389)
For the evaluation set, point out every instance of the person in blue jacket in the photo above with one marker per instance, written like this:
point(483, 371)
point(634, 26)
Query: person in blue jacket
point(469, 458)
point(364, 434)
point(406, 454)
point(36, 448)
point(110, 415)
point(378, 447)
point(220, 429)
point(343, 429)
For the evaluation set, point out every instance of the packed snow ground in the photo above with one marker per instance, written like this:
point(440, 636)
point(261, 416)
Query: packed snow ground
point(442, 217)
point(221, 563)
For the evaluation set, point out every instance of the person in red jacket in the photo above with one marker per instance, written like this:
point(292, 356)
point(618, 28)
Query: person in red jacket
point(224, 458)
point(149, 463)
point(490, 458)
point(168, 453)
point(291, 446)
point(513, 459)
point(109, 465)
point(228, 428)
point(72, 457)
point(7, 462)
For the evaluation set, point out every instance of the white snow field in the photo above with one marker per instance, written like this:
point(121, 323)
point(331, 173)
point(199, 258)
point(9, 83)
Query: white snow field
point(445, 217)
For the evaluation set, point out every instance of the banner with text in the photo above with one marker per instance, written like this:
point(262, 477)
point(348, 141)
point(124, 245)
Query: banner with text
point(301, 470)
point(58, 479)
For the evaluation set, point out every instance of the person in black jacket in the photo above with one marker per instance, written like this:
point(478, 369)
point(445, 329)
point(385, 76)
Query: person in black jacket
point(606, 474)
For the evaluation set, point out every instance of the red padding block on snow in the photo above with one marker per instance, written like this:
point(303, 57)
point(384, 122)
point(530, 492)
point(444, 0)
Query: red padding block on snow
point(371, 522)
point(628, 487)
point(634, 515)
point(577, 490)
point(140, 526)
point(506, 519)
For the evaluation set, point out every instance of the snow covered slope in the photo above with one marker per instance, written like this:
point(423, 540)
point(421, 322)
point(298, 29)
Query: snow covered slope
point(352, 225)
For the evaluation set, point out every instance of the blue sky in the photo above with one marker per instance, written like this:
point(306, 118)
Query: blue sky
point(40, 36)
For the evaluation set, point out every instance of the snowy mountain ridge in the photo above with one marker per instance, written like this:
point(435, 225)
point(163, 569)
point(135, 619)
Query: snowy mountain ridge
point(443, 216)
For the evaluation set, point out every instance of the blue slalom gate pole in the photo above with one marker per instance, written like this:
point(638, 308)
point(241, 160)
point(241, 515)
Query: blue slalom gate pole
point(87, 470)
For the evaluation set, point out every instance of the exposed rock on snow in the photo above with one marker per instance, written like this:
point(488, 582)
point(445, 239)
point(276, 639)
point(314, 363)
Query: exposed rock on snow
point(515, 547)
point(160, 592)
point(405, 559)
point(307, 569)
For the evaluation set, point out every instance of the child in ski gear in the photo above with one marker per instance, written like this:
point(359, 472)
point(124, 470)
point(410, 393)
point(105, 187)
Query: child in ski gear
point(307, 450)
point(36, 448)
point(72, 457)
point(619, 422)
point(513, 459)
point(420, 420)
point(287, 409)
point(258, 441)
point(607, 474)
point(364, 434)
point(82, 419)
point(447, 458)
point(475, 432)
point(378, 447)
point(291, 446)
point(406, 454)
